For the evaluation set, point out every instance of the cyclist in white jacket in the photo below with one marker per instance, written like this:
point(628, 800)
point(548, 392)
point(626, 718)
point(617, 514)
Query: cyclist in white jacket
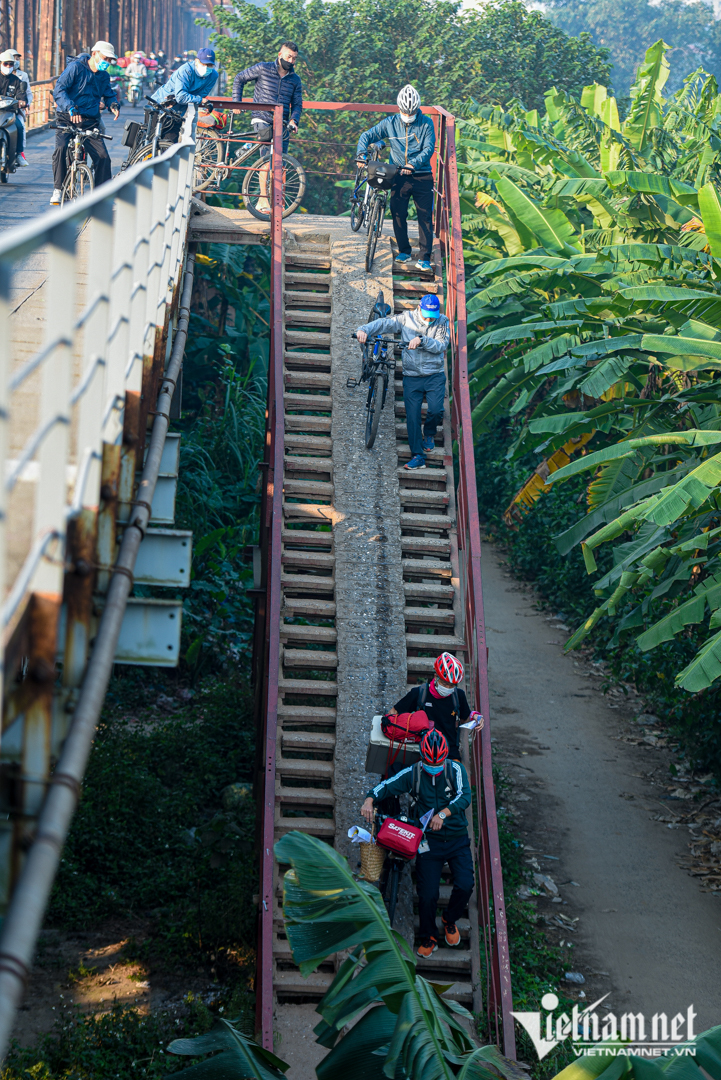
point(425, 334)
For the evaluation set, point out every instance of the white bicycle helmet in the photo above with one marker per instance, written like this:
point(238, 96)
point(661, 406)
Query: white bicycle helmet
point(409, 100)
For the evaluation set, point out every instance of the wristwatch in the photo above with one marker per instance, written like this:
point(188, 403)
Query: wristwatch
point(443, 815)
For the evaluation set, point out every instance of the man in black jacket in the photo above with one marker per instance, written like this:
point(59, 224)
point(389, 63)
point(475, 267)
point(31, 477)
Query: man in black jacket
point(275, 82)
point(12, 86)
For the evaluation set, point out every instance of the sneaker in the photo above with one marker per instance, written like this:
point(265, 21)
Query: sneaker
point(453, 934)
point(427, 947)
point(403, 258)
point(55, 197)
point(425, 266)
point(263, 206)
point(417, 462)
point(429, 443)
point(23, 161)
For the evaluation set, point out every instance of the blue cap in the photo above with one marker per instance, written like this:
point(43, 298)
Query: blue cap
point(430, 306)
point(206, 56)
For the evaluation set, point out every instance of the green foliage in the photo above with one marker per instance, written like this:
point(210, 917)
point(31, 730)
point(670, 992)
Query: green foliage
point(364, 52)
point(628, 27)
point(118, 1044)
point(157, 833)
point(241, 1057)
point(593, 306)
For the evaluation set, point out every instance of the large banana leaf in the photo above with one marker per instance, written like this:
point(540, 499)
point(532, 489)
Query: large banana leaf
point(551, 227)
point(710, 208)
point(242, 1058)
point(326, 910)
point(647, 97)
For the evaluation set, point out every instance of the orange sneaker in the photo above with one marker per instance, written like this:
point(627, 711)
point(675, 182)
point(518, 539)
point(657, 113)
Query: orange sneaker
point(453, 934)
point(427, 947)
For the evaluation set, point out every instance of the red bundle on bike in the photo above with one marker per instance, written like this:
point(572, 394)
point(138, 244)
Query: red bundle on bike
point(406, 727)
point(400, 837)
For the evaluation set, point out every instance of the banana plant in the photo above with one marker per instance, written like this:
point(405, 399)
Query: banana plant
point(594, 299)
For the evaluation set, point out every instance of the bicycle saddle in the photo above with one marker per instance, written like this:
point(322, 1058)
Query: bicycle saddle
point(382, 311)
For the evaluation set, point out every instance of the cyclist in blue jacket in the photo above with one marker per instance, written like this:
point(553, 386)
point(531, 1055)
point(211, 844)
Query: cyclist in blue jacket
point(412, 139)
point(190, 84)
point(78, 93)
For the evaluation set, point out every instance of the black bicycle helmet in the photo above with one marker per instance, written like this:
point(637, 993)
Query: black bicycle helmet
point(434, 748)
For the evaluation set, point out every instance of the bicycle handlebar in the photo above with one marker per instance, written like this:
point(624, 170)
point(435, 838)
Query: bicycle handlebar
point(87, 133)
point(383, 340)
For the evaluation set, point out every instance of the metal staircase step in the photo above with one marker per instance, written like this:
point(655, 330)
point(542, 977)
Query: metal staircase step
point(427, 567)
point(437, 476)
point(307, 423)
point(307, 511)
point(422, 497)
point(427, 522)
point(439, 642)
point(306, 769)
point(306, 298)
point(309, 658)
point(307, 401)
point(297, 317)
point(310, 380)
point(321, 635)
point(297, 714)
point(307, 740)
point(307, 537)
point(305, 337)
point(422, 288)
point(435, 456)
point(297, 277)
point(317, 799)
point(303, 258)
point(426, 544)
point(416, 590)
point(448, 959)
point(292, 984)
point(430, 616)
point(309, 444)
point(308, 583)
point(308, 558)
point(307, 687)
point(402, 433)
point(321, 609)
point(301, 359)
point(321, 488)
point(320, 826)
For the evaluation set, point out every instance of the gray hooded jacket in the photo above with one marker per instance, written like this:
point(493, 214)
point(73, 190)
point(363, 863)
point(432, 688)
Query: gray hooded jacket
point(429, 357)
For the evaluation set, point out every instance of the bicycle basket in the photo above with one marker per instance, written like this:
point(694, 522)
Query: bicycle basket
point(381, 174)
point(372, 858)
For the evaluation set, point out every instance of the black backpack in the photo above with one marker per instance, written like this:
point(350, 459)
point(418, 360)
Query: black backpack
point(450, 791)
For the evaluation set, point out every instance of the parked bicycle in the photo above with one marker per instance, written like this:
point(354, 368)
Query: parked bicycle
point(158, 131)
point(215, 159)
point(79, 178)
point(378, 365)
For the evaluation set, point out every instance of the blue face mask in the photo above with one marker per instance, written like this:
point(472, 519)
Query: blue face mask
point(103, 65)
point(433, 770)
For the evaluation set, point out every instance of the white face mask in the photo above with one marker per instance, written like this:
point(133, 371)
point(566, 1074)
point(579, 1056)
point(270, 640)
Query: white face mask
point(202, 69)
point(408, 118)
point(442, 690)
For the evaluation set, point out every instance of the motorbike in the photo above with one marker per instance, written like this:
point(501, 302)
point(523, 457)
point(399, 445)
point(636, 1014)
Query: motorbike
point(135, 89)
point(8, 137)
point(116, 81)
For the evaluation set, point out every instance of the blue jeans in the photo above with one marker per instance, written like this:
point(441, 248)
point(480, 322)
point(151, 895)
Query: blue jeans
point(414, 387)
point(456, 851)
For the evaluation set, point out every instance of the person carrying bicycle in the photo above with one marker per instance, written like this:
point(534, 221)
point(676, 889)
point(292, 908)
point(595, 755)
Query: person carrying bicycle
point(412, 139)
point(438, 784)
point(190, 84)
point(425, 334)
point(78, 93)
point(275, 82)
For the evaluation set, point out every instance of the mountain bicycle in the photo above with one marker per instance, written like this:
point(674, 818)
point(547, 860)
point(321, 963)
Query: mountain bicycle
point(215, 160)
point(155, 135)
point(359, 204)
point(79, 178)
point(378, 365)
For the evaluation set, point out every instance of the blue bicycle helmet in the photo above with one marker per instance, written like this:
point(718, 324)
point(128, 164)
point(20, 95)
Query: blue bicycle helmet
point(430, 306)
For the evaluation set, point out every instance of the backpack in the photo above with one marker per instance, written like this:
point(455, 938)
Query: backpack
point(406, 727)
point(381, 174)
point(448, 776)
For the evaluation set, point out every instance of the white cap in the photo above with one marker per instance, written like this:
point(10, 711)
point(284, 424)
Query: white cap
point(8, 57)
point(106, 49)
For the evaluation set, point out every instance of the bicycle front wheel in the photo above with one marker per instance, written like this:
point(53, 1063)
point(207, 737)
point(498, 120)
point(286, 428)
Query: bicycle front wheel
point(258, 187)
point(145, 152)
point(391, 897)
point(357, 213)
point(208, 154)
point(373, 406)
point(374, 221)
point(78, 182)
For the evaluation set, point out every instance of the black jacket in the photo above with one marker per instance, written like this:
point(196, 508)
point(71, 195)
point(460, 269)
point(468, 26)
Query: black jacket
point(270, 89)
point(11, 86)
point(441, 711)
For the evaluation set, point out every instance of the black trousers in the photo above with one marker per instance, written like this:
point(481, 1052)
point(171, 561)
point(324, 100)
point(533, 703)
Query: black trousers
point(456, 851)
point(95, 147)
point(421, 188)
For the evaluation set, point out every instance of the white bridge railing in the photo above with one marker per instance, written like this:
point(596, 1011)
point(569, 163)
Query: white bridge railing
point(93, 328)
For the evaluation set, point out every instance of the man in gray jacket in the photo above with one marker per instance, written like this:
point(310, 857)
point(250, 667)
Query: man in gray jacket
point(425, 334)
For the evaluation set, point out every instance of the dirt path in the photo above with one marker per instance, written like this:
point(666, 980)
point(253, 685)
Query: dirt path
point(584, 795)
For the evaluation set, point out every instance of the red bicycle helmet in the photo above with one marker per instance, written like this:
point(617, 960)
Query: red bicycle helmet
point(448, 668)
point(434, 748)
